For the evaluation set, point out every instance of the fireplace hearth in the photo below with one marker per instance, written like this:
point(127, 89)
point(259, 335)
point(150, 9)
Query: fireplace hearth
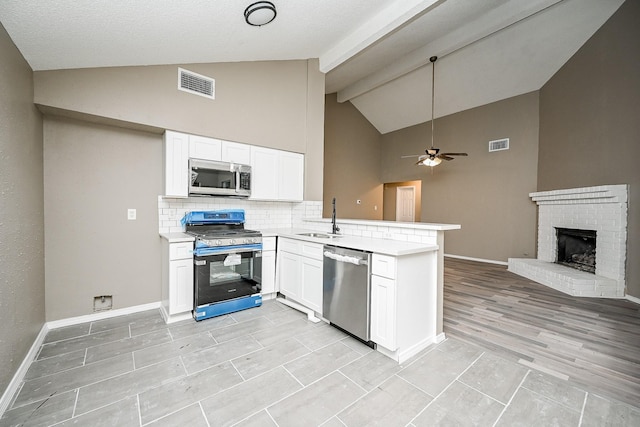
point(577, 249)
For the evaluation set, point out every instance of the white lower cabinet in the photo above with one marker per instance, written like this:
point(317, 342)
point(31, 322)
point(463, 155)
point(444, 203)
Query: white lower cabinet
point(289, 274)
point(383, 312)
point(180, 286)
point(403, 303)
point(268, 273)
point(177, 280)
point(311, 289)
point(300, 272)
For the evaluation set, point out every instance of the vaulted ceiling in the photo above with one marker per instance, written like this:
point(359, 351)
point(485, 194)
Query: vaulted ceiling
point(375, 53)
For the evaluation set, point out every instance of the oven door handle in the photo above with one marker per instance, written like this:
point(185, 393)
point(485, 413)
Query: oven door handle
point(227, 250)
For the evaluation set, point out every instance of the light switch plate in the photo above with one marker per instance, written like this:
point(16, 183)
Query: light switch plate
point(131, 214)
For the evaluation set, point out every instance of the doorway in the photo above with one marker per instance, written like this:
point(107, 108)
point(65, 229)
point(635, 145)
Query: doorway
point(406, 203)
point(392, 196)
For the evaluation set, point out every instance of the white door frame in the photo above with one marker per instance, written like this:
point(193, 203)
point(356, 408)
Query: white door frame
point(399, 205)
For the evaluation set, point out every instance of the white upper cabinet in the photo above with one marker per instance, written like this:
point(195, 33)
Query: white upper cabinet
point(176, 164)
point(276, 174)
point(204, 148)
point(264, 173)
point(236, 153)
point(291, 185)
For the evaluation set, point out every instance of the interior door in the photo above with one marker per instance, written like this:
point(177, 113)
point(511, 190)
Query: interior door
point(406, 204)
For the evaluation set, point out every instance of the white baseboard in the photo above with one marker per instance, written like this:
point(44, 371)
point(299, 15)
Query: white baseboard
point(101, 315)
point(13, 386)
point(8, 394)
point(172, 318)
point(489, 261)
point(633, 299)
point(311, 315)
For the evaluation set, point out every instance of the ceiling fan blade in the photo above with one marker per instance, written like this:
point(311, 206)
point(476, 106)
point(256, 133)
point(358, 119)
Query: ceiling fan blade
point(413, 155)
point(454, 154)
point(444, 157)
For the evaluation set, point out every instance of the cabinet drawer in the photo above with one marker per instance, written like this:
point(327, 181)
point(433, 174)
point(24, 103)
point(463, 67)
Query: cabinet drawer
point(384, 265)
point(181, 250)
point(312, 250)
point(289, 245)
point(268, 243)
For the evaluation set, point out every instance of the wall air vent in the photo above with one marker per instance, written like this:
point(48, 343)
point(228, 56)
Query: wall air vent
point(499, 145)
point(196, 84)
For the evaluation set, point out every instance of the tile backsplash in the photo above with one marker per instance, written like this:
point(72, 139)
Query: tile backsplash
point(260, 215)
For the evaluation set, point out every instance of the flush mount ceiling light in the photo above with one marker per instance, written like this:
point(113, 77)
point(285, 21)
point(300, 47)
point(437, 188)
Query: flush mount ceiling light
point(260, 13)
point(432, 156)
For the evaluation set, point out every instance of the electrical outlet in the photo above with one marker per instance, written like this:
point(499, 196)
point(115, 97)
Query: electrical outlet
point(131, 214)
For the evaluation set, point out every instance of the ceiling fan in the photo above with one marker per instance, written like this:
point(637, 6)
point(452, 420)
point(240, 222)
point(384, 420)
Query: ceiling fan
point(433, 156)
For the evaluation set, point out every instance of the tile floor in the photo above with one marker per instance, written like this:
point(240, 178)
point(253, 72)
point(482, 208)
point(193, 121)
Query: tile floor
point(269, 366)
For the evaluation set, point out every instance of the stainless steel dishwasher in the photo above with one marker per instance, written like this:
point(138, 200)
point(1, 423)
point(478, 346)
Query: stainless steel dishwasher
point(347, 290)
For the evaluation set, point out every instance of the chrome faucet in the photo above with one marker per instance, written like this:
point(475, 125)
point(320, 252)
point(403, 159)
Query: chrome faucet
point(335, 228)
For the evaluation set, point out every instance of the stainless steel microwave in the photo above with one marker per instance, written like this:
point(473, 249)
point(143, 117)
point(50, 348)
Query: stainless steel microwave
point(213, 178)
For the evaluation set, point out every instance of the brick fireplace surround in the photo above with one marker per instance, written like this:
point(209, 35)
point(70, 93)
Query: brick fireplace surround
point(603, 209)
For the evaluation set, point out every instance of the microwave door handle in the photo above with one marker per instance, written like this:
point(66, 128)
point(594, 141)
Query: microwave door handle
point(237, 181)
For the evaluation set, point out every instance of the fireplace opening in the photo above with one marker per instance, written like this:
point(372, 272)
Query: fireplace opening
point(577, 249)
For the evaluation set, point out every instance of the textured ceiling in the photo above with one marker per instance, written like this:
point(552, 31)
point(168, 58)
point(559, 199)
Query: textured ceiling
point(373, 51)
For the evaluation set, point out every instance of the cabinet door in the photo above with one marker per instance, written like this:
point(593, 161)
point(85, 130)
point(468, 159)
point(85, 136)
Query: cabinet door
point(180, 286)
point(311, 291)
point(264, 173)
point(236, 153)
point(289, 274)
point(268, 272)
point(204, 148)
point(176, 164)
point(291, 179)
point(383, 312)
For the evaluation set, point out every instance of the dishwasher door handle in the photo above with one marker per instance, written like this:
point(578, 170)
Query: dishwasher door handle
point(345, 258)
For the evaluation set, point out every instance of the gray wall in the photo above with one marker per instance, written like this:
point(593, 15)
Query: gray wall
point(590, 121)
point(22, 312)
point(487, 193)
point(352, 162)
point(276, 104)
point(93, 173)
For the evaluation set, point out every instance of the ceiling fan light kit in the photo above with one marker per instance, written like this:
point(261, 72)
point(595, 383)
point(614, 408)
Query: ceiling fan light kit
point(260, 13)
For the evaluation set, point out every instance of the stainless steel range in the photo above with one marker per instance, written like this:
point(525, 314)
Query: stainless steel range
point(226, 262)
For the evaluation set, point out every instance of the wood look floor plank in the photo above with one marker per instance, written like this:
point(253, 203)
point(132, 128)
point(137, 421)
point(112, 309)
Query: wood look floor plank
point(594, 342)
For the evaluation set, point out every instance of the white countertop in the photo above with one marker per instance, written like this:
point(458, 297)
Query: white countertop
point(394, 224)
point(177, 237)
point(380, 246)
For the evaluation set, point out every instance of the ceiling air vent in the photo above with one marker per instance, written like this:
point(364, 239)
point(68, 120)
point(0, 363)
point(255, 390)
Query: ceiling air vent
point(196, 84)
point(499, 145)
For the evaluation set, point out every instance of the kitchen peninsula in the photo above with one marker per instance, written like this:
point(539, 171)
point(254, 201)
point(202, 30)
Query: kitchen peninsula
point(406, 275)
point(411, 232)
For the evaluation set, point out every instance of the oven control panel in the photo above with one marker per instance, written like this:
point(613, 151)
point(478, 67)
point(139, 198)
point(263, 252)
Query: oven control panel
point(236, 241)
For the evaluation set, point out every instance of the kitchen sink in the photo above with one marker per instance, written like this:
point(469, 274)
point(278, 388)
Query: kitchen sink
point(320, 235)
